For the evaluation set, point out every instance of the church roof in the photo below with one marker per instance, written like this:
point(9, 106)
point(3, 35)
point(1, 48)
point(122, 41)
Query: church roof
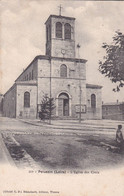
point(93, 86)
point(36, 58)
point(29, 82)
point(9, 89)
point(59, 16)
point(70, 59)
point(112, 103)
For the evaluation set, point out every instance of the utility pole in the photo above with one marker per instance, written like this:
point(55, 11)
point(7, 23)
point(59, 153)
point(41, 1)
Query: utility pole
point(78, 47)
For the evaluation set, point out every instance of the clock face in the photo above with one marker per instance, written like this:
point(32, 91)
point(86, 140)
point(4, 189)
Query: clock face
point(63, 51)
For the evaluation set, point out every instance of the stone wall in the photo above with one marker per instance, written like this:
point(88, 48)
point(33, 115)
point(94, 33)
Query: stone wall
point(9, 103)
point(1, 104)
point(21, 111)
point(57, 44)
point(69, 85)
point(113, 111)
point(68, 46)
point(75, 70)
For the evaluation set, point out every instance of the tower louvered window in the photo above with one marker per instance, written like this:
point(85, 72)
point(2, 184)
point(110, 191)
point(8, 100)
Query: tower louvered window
point(58, 30)
point(67, 29)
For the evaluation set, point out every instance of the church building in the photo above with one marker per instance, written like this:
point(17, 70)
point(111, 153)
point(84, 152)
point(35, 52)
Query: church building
point(59, 74)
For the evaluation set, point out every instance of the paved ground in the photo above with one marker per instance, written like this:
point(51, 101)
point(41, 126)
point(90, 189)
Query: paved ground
point(107, 126)
point(62, 145)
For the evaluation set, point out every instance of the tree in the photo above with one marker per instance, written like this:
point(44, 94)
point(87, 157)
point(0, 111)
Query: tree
point(46, 107)
point(112, 65)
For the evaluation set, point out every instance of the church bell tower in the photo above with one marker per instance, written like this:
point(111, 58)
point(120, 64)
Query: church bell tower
point(60, 36)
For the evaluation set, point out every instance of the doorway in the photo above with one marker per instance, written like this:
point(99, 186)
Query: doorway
point(63, 105)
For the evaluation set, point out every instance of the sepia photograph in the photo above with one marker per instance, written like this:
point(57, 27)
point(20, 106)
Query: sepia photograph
point(62, 98)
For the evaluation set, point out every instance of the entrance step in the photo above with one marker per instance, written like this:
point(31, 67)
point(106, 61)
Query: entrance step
point(64, 118)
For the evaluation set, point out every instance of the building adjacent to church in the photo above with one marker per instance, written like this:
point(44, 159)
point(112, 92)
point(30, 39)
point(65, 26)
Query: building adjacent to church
point(59, 74)
point(1, 104)
point(113, 110)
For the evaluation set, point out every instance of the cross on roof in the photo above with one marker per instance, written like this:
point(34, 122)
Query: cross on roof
point(60, 9)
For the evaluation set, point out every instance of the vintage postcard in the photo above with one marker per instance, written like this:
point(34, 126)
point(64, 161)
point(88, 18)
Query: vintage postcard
point(62, 98)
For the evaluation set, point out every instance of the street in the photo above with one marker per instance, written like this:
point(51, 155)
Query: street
point(62, 145)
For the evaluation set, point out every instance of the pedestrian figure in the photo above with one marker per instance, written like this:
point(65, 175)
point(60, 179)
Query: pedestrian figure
point(119, 138)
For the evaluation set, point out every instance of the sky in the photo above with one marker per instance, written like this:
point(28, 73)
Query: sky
point(23, 36)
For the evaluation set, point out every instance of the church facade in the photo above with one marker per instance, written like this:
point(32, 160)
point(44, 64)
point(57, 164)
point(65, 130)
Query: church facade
point(59, 74)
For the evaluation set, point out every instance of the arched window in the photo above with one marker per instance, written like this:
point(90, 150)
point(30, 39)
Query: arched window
point(58, 30)
point(26, 99)
point(93, 101)
point(67, 31)
point(63, 71)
